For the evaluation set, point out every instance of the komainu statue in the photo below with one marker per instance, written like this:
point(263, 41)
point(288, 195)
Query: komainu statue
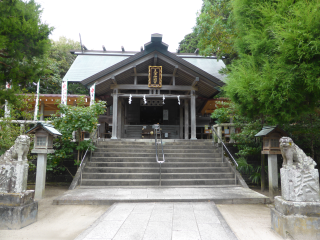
point(14, 166)
point(299, 178)
point(293, 156)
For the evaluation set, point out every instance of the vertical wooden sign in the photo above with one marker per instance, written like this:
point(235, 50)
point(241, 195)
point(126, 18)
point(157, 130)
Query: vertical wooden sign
point(155, 76)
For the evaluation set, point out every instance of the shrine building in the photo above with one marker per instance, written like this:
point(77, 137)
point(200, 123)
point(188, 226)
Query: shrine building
point(150, 86)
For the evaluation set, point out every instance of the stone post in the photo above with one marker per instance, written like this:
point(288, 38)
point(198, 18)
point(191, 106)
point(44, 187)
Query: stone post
point(213, 135)
point(219, 134)
point(41, 175)
point(273, 175)
point(22, 128)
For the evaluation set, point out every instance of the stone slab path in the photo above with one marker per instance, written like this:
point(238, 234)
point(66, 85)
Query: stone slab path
point(160, 221)
point(219, 195)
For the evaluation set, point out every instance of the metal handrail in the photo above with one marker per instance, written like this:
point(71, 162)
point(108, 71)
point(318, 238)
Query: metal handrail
point(223, 145)
point(84, 156)
point(156, 129)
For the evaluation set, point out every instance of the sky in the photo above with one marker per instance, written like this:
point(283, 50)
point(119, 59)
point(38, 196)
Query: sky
point(116, 23)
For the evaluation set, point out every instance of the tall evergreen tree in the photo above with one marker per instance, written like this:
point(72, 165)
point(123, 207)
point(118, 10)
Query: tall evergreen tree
point(189, 43)
point(278, 71)
point(22, 38)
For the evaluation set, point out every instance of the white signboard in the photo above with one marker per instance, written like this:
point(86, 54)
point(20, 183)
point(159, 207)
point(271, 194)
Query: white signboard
point(64, 92)
point(35, 118)
point(6, 107)
point(92, 93)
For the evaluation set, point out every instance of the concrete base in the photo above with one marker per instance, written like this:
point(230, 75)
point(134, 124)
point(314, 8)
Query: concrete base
point(17, 210)
point(300, 220)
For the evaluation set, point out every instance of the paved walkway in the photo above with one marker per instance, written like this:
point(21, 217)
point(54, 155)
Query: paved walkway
point(160, 221)
point(219, 195)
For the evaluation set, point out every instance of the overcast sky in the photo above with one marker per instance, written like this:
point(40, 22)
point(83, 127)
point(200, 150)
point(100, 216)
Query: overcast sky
point(116, 23)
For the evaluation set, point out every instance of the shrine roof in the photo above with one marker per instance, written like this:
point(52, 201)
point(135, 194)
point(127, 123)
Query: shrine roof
point(269, 129)
point(47, 127)
point(92, 64)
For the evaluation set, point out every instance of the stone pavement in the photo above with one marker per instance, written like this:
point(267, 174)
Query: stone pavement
point(219, 195)
point(160, 221)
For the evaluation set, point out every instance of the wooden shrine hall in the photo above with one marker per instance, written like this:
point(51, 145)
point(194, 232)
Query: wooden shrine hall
point(148, 87)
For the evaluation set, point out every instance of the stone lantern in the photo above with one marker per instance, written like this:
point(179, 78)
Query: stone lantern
point(270, 138)
point(43, 144)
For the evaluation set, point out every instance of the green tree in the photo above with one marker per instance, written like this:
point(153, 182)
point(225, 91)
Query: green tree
point(56, 63)
point(215, 30)
point(189, 43)
point(9, 131)
point(22, 38)
point(304, 131)
point(76, 118)
point(277, 74)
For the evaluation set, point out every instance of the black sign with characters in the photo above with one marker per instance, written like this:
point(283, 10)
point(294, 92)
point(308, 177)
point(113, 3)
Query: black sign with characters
point(155, 76)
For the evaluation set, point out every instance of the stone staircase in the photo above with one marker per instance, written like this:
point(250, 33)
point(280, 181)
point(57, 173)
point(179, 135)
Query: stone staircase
point(133, 163)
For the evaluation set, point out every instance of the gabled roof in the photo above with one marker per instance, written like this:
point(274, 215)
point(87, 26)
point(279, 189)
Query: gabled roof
point(85, 66)
point(91, 65)
point(47, 127)
point(156, 44)
point(269, 129)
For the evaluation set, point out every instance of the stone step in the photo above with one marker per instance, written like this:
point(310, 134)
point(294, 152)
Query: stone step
point(156, 170)
point(167, 155)
point(153, 150)
point(152, 146)
point(151, 142)
point(155, 182)
point(153, 159)
point(155, 164)
point(173, 176)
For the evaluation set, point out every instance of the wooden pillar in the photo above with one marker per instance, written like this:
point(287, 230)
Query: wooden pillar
point(115, 114)
point(181, 122)
point(193, 116)
point(119, 119)
point(186, 119)
point(108, 111)
point(42, 111)
point(122, 118)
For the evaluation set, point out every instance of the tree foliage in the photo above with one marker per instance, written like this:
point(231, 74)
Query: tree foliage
point(76, 119)
point(56, 63)
point(278, 71)
point(215, 29)
point(189, 43)
point(10, 131)
point(22, 38)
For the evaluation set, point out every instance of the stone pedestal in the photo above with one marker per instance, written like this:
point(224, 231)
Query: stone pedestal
point(17, 210)
point(301, 220)
point(300, 185)
point(14, 176)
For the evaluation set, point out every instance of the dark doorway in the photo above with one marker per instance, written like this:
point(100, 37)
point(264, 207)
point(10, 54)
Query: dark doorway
point(151, 114)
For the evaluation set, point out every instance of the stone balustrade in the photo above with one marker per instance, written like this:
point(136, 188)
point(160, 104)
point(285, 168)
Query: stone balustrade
point(218, 129)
